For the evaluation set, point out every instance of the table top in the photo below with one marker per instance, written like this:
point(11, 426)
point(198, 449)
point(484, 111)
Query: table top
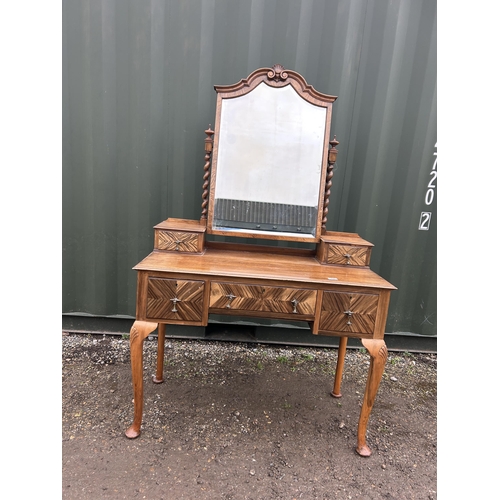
point(286, 267)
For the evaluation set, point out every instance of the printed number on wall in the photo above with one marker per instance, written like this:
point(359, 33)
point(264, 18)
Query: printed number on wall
point(425, 221)
point(425, 217)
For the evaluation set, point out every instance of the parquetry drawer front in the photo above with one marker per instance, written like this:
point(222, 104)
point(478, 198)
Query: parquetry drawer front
point(174, 299)
point(180, 235)
point(346, 249)
point(348, 255)
point(255, 298)
point(348, 312)
point(177, 241)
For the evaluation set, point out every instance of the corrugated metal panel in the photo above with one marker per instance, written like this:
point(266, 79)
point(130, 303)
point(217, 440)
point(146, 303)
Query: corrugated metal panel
point(138, 93)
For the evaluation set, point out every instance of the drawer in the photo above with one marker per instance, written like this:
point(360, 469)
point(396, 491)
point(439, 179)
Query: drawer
point(176, 241)
point(347, 255)
point(180, 235)
point(173, 299)
point(255, 298)
point(346, 249)
point(348, 313)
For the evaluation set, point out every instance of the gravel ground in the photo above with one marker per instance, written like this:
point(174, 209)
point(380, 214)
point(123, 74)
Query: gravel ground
point(244, 421)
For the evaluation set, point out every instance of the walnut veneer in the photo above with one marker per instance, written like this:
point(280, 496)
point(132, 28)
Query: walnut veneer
point(175, 287)
point(277, 189)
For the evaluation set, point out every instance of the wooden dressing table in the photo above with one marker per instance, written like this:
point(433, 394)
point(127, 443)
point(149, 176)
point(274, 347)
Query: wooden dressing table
point(267, 176)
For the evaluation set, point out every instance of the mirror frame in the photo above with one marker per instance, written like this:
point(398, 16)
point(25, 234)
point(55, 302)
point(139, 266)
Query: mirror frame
point(275, 77)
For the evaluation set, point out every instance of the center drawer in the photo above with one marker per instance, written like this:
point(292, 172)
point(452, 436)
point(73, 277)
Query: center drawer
point(255, 298)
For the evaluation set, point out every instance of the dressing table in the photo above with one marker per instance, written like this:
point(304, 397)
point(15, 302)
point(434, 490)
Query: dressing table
point(267, 176)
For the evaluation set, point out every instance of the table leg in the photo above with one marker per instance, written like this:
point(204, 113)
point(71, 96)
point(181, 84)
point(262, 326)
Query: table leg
point(139, 331)
point(378, 356)
point(340, 367)
point(158, 379)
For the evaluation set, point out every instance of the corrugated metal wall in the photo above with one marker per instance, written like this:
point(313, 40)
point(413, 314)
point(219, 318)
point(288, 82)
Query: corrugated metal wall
point(138, 94)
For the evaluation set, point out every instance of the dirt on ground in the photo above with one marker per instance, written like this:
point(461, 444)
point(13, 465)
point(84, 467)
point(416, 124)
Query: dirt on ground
point(238, 421)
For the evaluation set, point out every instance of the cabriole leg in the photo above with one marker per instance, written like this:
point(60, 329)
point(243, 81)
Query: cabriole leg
point(139, 331)
point(378, 356)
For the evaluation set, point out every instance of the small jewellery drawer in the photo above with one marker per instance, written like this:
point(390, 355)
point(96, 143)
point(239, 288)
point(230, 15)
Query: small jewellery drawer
point(177, 241)
point(348, 255)
point(348, 312)
point(346, 249)
point(180, 235)
point(175, 299)
point(255, 298)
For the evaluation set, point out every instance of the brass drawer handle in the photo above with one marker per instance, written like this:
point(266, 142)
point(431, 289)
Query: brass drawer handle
point(174, 301)
point(230, 297)
point(349, 314)
point(295, 303)
point(348, 257)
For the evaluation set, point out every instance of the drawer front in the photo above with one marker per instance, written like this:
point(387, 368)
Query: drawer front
point(177, 241)
point(255, 298)
point(175, 299)
point(347, 255)
point(348, 312)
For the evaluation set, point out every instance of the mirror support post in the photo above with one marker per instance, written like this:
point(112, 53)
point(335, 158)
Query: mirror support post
point(206, 175)
point(332, 158)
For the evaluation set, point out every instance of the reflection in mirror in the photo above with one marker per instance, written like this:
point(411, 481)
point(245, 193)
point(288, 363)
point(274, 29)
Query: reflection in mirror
point(269, 163)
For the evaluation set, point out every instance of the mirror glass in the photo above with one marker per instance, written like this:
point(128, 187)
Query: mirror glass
point(269, 163)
